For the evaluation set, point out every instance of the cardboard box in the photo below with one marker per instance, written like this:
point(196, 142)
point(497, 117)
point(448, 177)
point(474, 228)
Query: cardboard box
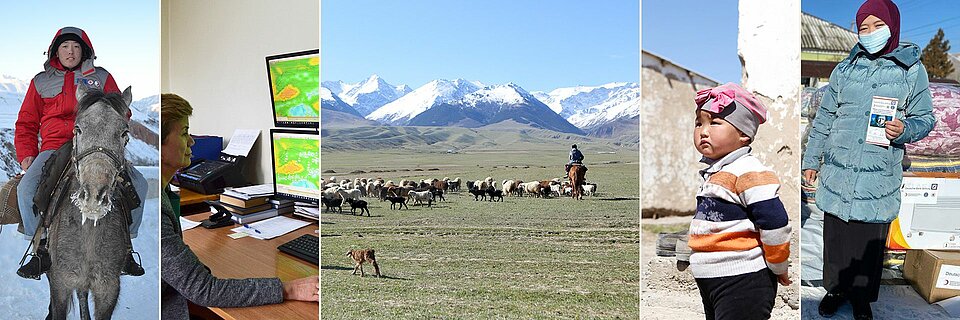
point(928, 217)
point(934, 274)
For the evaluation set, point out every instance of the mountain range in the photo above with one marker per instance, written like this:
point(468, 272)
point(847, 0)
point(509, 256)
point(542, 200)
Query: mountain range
point(592, 110)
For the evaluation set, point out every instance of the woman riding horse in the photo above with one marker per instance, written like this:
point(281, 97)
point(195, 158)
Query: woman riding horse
point(49, 110)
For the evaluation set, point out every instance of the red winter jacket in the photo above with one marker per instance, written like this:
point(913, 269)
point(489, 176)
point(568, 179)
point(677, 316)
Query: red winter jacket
point(49, 107)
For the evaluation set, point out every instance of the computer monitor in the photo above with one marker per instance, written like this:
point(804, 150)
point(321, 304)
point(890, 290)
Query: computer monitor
point(295, 88)
point(296, 164)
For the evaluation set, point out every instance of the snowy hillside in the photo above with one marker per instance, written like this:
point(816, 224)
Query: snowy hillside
point(371, 94)
point(330, 101)
point(569, 100)
point(410, 105)
point(492, 105)
point(623, 103)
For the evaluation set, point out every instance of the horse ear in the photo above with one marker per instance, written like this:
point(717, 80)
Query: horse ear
point(82, 90)
point(127, 96)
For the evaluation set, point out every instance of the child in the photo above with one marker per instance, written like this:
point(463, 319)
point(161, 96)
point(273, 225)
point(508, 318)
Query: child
point(740, 235)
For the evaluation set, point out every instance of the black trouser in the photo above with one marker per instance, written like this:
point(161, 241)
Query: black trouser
point(853, 257)
point(745, 296)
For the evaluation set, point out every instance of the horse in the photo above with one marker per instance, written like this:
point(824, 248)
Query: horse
point(577, 176)
point(89, 239)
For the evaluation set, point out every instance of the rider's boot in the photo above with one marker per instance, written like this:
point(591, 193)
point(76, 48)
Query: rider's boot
point(38, 264)
point(132, 268)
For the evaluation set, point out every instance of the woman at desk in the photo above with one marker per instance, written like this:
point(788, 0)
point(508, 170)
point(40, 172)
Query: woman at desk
point(184, 276)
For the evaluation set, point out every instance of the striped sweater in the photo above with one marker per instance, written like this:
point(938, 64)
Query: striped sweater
point(740, 225)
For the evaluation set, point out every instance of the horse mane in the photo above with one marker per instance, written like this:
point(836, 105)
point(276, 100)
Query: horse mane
point(114, 99)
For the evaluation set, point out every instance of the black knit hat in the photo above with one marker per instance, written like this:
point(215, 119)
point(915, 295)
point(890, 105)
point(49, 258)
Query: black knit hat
point(67, 37)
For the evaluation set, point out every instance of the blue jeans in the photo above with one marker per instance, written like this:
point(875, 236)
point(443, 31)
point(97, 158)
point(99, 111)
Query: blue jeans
point(31, 180)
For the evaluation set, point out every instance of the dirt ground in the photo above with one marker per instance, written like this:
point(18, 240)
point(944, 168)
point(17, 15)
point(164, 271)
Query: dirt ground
point(671, 294)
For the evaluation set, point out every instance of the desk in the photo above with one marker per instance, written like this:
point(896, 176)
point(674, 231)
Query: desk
point(192, 202)
point(251, 258)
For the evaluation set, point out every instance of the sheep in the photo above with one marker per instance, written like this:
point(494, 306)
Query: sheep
point(358, 204)
point(589, 188)
point(440, 184)
point(470, 185)
point(330, 185)
point(332, 203)
point(495, 194)
point(437, 194)
point(421, 196)
point(478, 194)
point(331, 192)
point(397, 200)
point(455, 184)
point(532, 187)
point(510, 186)
point(555, 189)
point(349, 194)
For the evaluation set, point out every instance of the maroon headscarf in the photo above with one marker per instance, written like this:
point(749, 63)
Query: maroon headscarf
point(888, 12)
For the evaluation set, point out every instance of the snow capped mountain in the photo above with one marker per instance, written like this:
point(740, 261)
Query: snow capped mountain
point(330, 101)
point(147, 112)
point(492, 105)
point(337, 87)
point(570, 100)
point(622, 103)
point(410, 105)
point(372, 94)
point(12, 91)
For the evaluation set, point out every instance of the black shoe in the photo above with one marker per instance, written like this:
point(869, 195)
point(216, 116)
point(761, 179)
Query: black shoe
point(862, 311)
point(38, 265)
point(830, 303)
point(132, 268)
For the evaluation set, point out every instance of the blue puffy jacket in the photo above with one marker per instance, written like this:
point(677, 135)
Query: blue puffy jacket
point(860, 181)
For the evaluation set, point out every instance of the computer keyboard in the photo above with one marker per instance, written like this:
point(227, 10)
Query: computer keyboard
point(306, 248)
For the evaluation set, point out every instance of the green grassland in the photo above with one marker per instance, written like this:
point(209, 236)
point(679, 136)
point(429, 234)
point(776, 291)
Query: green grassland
point(524, 258)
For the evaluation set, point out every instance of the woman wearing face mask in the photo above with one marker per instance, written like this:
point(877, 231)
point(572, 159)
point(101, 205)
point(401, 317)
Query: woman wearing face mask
point(860, 181)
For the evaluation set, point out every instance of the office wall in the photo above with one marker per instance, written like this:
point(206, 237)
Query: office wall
point(213, 56)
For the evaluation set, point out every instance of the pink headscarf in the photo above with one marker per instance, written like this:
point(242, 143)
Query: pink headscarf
point(736, 105)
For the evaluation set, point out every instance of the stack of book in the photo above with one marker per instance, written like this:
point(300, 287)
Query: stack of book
point(253, 203)
point(307, 210)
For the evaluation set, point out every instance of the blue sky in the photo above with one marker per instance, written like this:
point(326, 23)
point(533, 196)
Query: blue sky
point(125, 34)
point(680, 31)
point(919, 19)
point(538, 44)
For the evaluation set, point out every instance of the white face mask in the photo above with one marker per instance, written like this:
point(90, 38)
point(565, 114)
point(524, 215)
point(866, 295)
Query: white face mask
point(876, 40)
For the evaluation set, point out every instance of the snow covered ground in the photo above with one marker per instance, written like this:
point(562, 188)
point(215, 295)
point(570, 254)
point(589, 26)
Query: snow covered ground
point(139, 296)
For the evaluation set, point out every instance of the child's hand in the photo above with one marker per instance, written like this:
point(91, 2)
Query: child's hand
point(784, 279)
point(810, 175)
point(894, 128)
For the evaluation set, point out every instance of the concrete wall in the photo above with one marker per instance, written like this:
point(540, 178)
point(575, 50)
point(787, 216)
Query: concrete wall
point(669, 160)
point(213, 56)
point(769, 46)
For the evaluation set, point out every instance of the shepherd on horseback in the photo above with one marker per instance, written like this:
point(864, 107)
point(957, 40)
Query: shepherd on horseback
point(50, 110)
point(576, 157)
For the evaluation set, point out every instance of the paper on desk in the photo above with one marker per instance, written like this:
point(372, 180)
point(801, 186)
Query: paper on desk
point(187, 224)
point(242, 141)
point(260, 190)
point(272, 228)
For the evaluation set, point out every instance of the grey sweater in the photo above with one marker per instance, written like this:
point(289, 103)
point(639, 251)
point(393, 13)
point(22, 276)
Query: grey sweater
point(186, 278)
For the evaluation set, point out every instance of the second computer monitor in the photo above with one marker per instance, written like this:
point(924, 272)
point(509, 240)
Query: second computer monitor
point(296, 164)
point(295, 88)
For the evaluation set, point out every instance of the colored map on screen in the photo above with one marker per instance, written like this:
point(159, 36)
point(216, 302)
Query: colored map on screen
point(297, 162)
point(296, 88)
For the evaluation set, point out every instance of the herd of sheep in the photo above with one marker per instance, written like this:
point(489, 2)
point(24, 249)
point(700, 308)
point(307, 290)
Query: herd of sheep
point(338, 192)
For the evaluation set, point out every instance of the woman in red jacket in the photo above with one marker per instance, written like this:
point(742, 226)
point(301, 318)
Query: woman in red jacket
point(48, 113)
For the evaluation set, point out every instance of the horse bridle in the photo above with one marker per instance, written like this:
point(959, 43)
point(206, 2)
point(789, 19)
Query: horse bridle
point(92, 150)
